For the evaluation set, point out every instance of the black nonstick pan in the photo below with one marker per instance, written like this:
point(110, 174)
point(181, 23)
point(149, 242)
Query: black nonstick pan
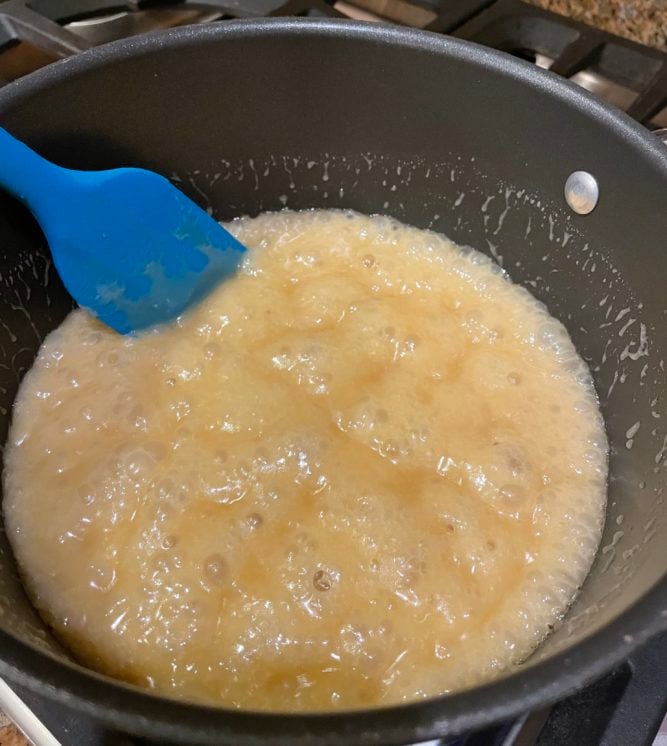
point(258, 115)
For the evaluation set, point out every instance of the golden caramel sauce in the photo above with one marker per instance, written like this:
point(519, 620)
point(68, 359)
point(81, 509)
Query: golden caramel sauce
point(367, 469)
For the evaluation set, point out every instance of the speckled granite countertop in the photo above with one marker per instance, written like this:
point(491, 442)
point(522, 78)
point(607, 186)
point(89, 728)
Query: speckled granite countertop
point(644, 21)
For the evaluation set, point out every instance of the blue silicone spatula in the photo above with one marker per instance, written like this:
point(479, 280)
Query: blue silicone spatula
point(128, 245)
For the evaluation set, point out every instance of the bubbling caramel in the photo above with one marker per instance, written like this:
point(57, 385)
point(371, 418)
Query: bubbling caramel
point(365, 470)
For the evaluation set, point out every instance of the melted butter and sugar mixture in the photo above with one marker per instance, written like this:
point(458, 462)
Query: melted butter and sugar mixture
point(366, 469)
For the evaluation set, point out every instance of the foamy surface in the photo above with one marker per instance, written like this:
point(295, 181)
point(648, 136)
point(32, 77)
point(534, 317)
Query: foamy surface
point(367, 469)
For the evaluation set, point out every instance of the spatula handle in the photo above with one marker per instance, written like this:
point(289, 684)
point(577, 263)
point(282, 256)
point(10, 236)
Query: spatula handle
point(26, 175)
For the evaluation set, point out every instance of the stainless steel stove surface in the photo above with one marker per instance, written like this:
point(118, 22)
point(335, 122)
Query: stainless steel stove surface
point(625, 707)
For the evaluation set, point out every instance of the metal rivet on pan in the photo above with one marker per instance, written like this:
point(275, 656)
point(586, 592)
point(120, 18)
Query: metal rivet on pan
point(582, 192)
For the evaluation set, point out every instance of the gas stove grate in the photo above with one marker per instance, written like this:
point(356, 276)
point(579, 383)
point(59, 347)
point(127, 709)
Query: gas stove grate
point(630, 76)
point(627, 75)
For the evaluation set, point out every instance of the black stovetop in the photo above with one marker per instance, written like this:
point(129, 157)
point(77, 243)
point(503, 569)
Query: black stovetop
point(625, 707)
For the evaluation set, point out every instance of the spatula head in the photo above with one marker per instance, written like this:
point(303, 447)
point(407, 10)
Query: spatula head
point(133, 249)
